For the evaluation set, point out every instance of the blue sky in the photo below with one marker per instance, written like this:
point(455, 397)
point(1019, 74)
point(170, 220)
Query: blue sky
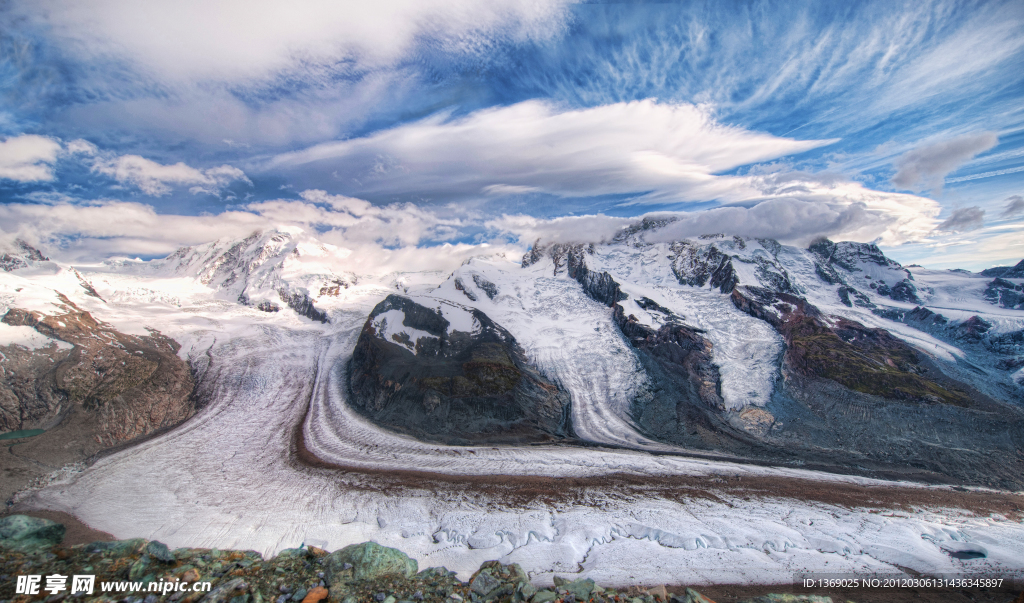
point(133, 128)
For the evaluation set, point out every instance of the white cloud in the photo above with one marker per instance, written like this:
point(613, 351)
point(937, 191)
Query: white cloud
point(794, 208)
point(927, 166)
point(28, 158)
point(670, 151)
point(355, 220)
point(372, 239)
point(120, 227)
point(238, 40)
point(156, 179)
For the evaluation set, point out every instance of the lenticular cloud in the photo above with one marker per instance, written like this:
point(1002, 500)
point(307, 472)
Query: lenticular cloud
point(667, 152)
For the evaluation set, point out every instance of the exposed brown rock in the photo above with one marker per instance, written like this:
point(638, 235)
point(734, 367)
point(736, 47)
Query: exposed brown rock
point(108, 389)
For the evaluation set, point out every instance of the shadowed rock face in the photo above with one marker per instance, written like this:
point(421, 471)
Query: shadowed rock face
point(868, 400)
point(1006, 271)
point(444, 385)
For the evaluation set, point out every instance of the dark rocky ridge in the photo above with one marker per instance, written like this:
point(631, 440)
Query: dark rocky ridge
point(1006, 294)
point(108, 389)
point(851, 398)
point(457, 388)
point(1006, 271)
point(832, 260)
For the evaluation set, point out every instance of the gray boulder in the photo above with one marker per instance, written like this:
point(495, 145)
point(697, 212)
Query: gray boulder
point(366, 561)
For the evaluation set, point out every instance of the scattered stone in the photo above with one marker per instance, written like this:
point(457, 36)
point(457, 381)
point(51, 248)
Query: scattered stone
point(544, 596)
point(658, 592)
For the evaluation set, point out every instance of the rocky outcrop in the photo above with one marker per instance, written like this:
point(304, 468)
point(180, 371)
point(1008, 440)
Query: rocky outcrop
point(862, 359)
point(22, 532)
point(104, 389)
point(861, 393)
point(303, 306)
point(1002, 292)
point(698, 265)
point(19, 256)
point(420, 376)
point(838, 263)
point(1006, 271)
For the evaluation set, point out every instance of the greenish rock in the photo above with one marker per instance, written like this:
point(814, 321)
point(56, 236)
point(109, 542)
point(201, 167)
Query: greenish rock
point(299, 594)
point(291, 553)
point(367, 561)
point(518, 573)
point(225, 592)
point(433, 573)
point(484, 583)
point(581, 588)
point(26, 533)
point(526, 591)
point(390, 599)
point(560, 581)
point(544, 596)
point(159, 551)
point(139, 568)
point(119, 548)
point(692, 596)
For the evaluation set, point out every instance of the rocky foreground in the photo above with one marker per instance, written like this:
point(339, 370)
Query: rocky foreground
point(144, 571)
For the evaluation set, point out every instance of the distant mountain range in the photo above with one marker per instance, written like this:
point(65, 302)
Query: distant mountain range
point(832, 357)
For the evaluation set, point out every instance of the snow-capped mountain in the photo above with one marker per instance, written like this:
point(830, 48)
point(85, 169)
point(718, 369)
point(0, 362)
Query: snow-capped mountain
point(645, 357)
point(749, 348)
point(833, 355)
